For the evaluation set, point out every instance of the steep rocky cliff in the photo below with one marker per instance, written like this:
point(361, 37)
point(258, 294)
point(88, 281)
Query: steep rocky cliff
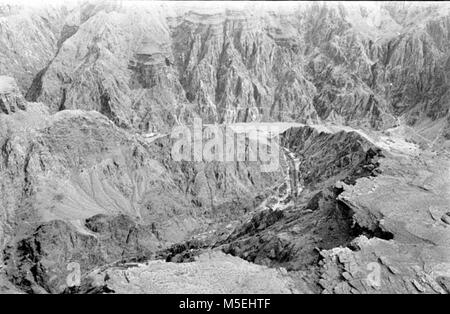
point(64, 175)
point(145, 65)
point(11, 99)
point(358, 94)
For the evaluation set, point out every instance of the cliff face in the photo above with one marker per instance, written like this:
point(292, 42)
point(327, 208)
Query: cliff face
point(11, 99)
point(89, 93)
point(151, 66)
point(74, 181)
point(244, 64)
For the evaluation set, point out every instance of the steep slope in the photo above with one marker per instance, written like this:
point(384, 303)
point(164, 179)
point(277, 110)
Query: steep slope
point(76, 188)
point(108, 65)
point(29, 36)
point(359, 92)
point(375, 224)
point(140, 66)
point(11, 100)
point(150, 66)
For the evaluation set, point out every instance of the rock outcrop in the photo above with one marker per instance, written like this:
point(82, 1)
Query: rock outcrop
point(11, 99)
point(76, 188)
point(210, 273)
point(150, 66)
point(359, 94)
point(28, 36)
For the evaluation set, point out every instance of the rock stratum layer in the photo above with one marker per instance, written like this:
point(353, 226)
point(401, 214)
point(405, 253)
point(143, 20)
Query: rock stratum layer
point(358, 94)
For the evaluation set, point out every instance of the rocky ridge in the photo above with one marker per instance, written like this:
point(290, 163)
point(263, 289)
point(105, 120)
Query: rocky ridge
point(360, 203)
point(149, 66)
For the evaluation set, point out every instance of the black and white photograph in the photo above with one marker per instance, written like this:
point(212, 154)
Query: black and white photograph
point(235, 149)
